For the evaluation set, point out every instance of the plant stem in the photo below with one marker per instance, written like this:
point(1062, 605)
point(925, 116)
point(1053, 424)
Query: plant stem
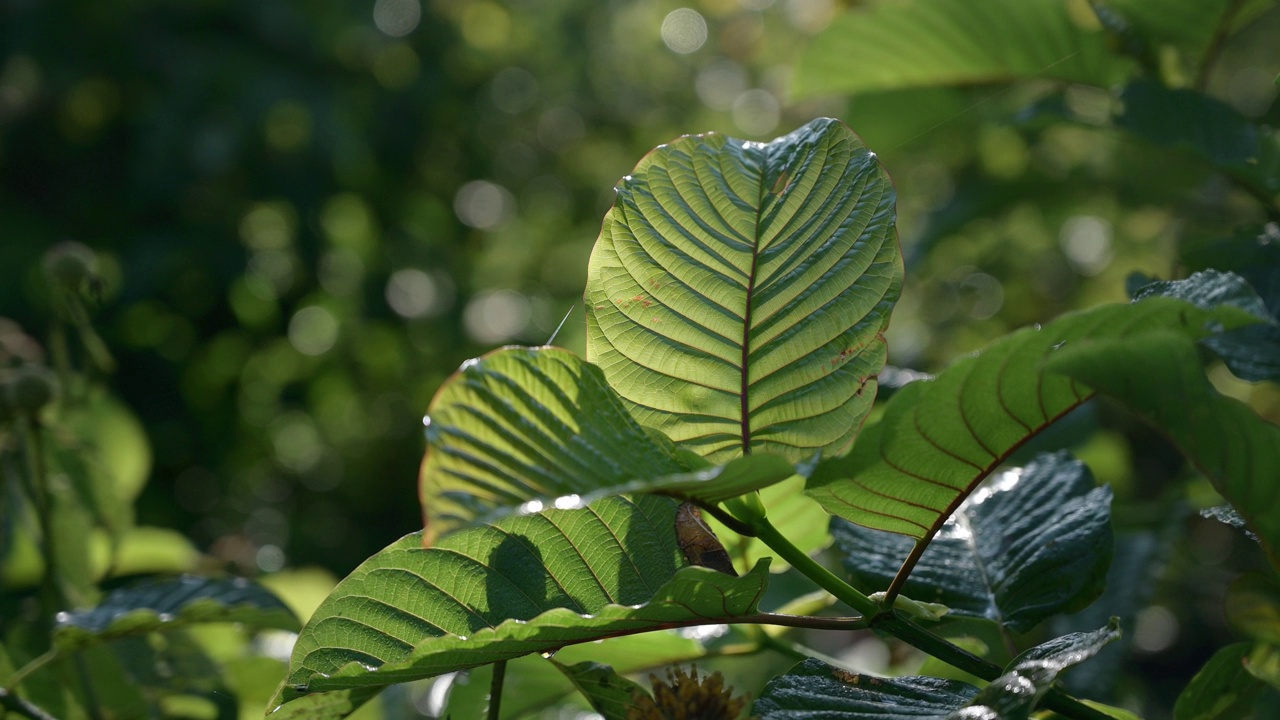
point(495, 689)
point(19, 706)
point(21, 674)
point(801, 561)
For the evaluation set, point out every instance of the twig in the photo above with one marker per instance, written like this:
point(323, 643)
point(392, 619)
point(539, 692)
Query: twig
point(495, 689)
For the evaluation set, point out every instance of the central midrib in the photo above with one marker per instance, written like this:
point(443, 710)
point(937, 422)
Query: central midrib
point(746, 319)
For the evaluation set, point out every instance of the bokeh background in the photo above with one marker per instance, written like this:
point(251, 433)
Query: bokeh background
point(307, 214)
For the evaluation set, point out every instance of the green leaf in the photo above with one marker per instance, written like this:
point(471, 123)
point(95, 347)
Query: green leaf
point(1025, 681)
point(817, 691)
point(608, 692)
point(1159, 377)
point(893, 45)
point(1207, 127)
point(1035, 542)
point(1252, 605)
point(1222, 690)
point(525, 584)
point(1253, 352)
point(939, 438)
point(163, 605)
point(534, 427)
point(737, 293)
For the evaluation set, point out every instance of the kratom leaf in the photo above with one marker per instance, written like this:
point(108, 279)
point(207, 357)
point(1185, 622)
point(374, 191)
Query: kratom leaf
point(608, 692)
point(738, 290)
point(534, 427)
point(525, 584)
point(814, 689)
point(891, 45)
point(1034, 542)
point(1216, 132)
point(1222, 689)
point(1158, 376)
point(1026, 680)
point(939, 438)
point(170, 604)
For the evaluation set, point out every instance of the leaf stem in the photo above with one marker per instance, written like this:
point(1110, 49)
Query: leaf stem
point(801, 561)
point(904, 572)
point(18, 706)
point(495, 689)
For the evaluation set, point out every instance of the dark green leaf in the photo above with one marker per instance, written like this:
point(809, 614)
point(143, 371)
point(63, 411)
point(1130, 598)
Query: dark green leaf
point(814, 690)
point(1036, 542)
point(1216, 132)
point(1253, 352)
point(939, 438)
point(169, 604)
point(1222, 690)
point(525, 428)
point(526, 584)
point(738, 290)
point(1013, 695)
point(1159, 377)
point(885, 46)
point(608, 692)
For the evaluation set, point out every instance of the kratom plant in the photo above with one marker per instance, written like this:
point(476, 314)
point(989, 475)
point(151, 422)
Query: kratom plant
point(736, 302)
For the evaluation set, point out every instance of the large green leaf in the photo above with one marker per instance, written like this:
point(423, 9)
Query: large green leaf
point(1253, 352)
point(1159, 377)
point(534, 427)
point(161, 605)
point(738, 290)
point(817, 691)
point(892, 45)
point(939, 438)
point(1034, 543)
point(1207, 127)
point(525, 584)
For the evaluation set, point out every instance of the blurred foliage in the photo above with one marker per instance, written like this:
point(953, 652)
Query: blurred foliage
point(307, 215)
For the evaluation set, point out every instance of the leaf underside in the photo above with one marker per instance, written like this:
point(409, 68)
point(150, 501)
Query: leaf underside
point(926, 43)
point(939, 438)
point(738, 290)
point(525, 428)
point(1032, 543)
point(1159, 377)
point(525, 584)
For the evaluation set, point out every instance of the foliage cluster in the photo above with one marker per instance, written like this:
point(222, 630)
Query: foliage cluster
point(737, 302)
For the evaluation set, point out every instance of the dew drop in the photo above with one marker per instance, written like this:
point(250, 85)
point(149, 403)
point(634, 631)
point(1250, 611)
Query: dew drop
point(426, 421)
point(468, 364)
point(549, 654)
point(1037, 327)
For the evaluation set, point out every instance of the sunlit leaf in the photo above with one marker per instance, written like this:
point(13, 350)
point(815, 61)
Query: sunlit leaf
point(526, 584)
point(1159, 377)
point(939, 438)
point(1034, 543)
point(534, 427)
point(169, 604)
point(884, 46)
point(738, 290)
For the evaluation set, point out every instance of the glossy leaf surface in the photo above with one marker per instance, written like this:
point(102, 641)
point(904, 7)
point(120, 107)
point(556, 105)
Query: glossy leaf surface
point(1034, 542)
point(157, 606)
point(939, 438)
point(524, 584)
point(816, 690)
point(539, 427)
point(1159, 377)
point(738, 290)
point(890, 46)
